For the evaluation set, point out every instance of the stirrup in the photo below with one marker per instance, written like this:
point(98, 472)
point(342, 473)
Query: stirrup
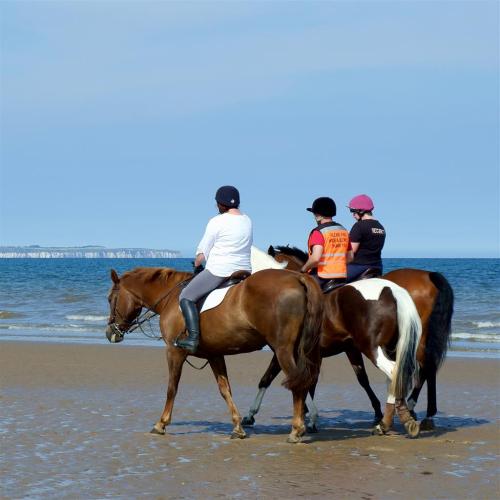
point(188, 344)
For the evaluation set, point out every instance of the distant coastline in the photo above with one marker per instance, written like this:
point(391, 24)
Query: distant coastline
point(84, 252)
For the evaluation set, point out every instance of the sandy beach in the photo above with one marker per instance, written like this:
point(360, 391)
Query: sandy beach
point(75, 423)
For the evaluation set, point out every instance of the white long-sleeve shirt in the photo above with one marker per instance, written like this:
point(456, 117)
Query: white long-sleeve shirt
point(226, 244)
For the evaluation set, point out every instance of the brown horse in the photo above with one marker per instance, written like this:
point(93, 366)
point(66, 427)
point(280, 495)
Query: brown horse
point(278, 308)
point(433, 297)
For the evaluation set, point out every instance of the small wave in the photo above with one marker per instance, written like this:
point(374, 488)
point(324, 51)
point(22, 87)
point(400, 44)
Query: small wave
point(47, 328)
point(10, 314)
point(86, 317)
point(483, 337)
point(486, 324)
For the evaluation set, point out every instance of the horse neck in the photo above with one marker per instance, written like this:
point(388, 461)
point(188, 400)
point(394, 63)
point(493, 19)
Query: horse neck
point(297, 263)
point(150, 290)
point(294, 263)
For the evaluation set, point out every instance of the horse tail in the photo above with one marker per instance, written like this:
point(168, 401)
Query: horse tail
point(307, 359)
point(439, 326)
point(410, 331)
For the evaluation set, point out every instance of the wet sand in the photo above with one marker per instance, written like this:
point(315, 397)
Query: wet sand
point(75, 421)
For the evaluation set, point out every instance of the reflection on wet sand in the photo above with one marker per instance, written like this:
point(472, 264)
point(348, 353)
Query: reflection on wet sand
point(75, 422)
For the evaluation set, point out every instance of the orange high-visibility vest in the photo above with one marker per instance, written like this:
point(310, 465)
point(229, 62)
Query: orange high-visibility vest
point(333, 263)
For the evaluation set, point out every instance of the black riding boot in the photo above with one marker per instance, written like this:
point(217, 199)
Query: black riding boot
point(190, 313)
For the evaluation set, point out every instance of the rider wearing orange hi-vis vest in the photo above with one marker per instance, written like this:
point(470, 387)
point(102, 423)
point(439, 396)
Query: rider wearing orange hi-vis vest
point(328, 245)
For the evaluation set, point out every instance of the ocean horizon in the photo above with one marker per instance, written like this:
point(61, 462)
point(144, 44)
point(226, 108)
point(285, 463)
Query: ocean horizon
point(65, 300)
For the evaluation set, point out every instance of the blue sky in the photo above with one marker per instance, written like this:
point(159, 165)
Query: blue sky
point(119, 120)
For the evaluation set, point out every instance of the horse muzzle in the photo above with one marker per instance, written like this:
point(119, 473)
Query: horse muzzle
point(114, 334)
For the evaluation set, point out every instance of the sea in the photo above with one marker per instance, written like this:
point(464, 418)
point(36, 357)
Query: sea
point(65, 300)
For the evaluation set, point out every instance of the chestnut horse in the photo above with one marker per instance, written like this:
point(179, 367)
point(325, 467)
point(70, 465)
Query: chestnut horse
point(433, 298)
point(278, 308)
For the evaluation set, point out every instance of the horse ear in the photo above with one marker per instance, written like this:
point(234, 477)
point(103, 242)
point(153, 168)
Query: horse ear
point(270, 251)
point(115, 277)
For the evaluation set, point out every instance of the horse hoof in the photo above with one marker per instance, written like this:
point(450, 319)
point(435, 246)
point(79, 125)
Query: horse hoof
point(293, 439)
point(159, 432)
point(412, 428)
point(379, 430)
point(238, 435)
point(312, 429)
point(247, 421)
point(427, 424)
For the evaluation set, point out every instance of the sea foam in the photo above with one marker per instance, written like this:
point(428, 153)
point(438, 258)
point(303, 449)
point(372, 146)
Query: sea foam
point(486, 324)
point(86, 317)
point(483, 337)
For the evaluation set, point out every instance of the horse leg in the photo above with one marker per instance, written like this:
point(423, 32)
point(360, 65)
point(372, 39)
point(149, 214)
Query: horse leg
point(175, 360)
point(410, 424)
point(271, 373)
point(387, 420)
point(298, 427)
point(358, 365)
point(287, 363)
point(415, 393)
point(218, 366)
point(386, 365)
point(428, 422)
point(313, 411)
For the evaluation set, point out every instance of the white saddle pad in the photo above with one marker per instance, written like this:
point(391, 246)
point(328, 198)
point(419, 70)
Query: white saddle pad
point(260, 261)
point(215, 298)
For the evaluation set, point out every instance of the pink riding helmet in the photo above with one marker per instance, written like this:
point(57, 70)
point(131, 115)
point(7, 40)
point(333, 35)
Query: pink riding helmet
point(361, 202)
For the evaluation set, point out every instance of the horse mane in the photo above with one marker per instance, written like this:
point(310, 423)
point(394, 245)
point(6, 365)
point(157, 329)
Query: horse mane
point(149, 274)
point(292, 251)
point(261, 260)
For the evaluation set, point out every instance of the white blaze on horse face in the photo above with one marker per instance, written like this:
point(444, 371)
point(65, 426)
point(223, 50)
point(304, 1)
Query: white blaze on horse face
point(372, 288)
point(261, 260)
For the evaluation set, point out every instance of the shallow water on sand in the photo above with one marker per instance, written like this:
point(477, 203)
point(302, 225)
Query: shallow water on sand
point(95, 443)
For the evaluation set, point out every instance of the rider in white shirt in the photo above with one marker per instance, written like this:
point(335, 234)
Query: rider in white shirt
point(226, 243)
point(225, 247)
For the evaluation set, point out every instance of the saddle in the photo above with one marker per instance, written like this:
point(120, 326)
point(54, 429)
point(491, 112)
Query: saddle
point(234, 279)
point(372, 272)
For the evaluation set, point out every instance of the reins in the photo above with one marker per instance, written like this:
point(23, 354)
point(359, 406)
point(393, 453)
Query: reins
point(149, 314)
point(196, 367)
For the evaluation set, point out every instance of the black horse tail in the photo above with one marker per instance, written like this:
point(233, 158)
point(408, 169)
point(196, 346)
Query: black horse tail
point(439, 327)
point(307, 356)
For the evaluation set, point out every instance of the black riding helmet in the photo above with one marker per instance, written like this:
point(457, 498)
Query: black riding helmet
point(323, 206)
point(228, 196)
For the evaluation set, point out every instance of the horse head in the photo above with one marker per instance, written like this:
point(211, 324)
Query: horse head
point(293, 257)
point(124, 308)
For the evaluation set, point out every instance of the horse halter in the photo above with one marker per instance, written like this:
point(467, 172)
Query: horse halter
point(116, 334)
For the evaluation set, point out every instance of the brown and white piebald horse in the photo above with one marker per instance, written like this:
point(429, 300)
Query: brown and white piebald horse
point(278, 308)
point(433, 297)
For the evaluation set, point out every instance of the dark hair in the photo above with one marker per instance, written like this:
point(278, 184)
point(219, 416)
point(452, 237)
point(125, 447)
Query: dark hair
point(223, 208)
point(360, 212)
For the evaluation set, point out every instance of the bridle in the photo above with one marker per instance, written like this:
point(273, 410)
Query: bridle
point(118, 334)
